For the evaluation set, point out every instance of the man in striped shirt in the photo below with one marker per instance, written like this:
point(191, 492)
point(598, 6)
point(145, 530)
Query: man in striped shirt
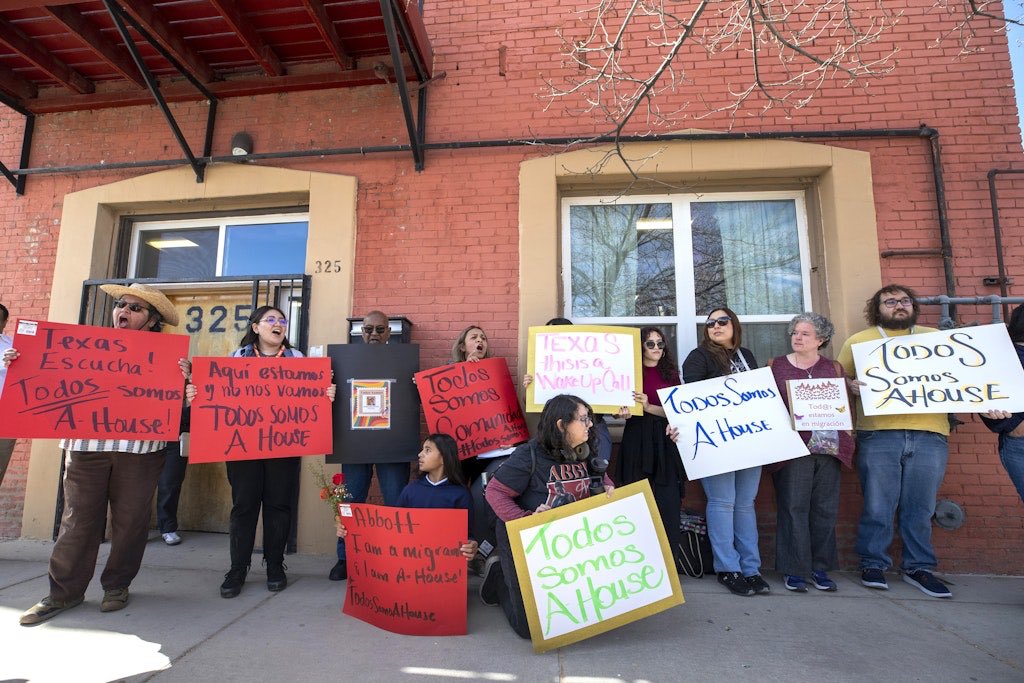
point(97, 473)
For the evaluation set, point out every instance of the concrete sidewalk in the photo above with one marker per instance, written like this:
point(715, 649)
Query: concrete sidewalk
point(178, 628)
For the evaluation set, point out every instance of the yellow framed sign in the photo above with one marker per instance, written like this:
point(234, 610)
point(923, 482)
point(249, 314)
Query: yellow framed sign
point(598, 363)
point(593, 566)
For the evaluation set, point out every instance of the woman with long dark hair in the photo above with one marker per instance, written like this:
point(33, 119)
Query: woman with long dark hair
point(551, 468)
point(732, 522)
point(646, 452)
point(266, 483)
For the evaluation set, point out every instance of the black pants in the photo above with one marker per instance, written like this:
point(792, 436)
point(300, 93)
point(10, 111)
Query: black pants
point(168, 489)
point(254, 483)
point(509, 596)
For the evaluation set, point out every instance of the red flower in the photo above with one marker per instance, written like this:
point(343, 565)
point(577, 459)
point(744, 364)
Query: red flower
point(324, 494)
point(338, 479)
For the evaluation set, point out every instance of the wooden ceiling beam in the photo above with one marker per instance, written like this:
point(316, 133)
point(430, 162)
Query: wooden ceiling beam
point(247, 34)
point(31, 50)
point(90, 34)
point(144, 13)
point(17, 87)
point(328, 32)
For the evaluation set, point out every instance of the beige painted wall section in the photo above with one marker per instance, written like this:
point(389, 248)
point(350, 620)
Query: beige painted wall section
point(88, 226)
point(842, 180)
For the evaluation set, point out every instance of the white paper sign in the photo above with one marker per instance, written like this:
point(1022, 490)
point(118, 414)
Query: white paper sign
point(819, 403)
point(595, 566)
point(967, 370)
point(731, 423)
point(598, 363)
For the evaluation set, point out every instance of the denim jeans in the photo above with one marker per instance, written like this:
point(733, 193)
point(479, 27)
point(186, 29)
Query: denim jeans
point(391, 476)
point(1011, 452)
point(900, 469)
point(168, 489)
point(732, 522)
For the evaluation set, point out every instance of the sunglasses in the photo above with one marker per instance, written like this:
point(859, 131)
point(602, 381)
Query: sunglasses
point(134, 308)
point(273, 320)
point(721, 321)
point(379, 329)
point(654, 345)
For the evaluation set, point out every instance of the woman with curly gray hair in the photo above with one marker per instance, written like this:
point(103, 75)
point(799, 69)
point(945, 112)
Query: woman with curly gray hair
point(807, 488)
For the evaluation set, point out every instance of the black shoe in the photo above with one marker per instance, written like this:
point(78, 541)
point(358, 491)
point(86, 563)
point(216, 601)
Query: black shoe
point(874, 578)
point(233, 581)
point(339, 572)
point(759, 585)
point(492, 575)
point(276, 579)
point(735, 582)
point(927, 584)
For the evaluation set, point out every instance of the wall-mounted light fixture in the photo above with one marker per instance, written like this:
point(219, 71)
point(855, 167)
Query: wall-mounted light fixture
point(241, 144)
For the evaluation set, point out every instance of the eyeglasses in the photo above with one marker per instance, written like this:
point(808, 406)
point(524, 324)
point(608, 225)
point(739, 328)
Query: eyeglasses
point(379, 329)
point(651, 344)
point(586, 419)
point(273, 320)
point(134, 308)
point(721, 321)
point(905, 302)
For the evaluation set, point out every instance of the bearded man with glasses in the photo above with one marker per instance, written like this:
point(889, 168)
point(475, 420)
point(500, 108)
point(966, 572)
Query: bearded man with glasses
point(901, 460)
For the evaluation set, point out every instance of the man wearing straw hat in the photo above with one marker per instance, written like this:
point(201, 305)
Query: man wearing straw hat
point(101, 472)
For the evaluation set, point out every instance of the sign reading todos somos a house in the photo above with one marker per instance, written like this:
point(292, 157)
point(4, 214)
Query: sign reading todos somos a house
point(966, 370)
point(731, 423)
point(593, 565)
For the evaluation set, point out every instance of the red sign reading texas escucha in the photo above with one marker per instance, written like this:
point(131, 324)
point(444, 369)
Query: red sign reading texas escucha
point(406, 573)
point(248, 408)
point(85, 382)
point(474, 402)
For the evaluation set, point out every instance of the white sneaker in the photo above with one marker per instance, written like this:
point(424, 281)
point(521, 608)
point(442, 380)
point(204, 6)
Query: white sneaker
point(172, 538)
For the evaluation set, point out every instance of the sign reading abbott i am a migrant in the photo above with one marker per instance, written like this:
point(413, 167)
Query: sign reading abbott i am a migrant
point(598, 363)
point(593, 566)
point(731, 423)
point(84, 382)
point(968, 370)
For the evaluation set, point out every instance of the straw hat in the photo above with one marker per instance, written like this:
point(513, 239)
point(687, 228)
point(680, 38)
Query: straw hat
point(151, 295)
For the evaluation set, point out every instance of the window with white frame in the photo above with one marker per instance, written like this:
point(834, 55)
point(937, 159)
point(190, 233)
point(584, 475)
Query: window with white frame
point(200, 248)
point(668, 261)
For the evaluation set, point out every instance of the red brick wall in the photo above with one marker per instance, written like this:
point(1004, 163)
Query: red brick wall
point(441, 246)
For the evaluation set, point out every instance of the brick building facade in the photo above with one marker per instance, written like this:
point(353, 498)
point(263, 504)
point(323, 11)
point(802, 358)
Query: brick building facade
point(456, 243)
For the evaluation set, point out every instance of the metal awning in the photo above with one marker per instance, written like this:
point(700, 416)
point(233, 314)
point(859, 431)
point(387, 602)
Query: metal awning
point(60, 55)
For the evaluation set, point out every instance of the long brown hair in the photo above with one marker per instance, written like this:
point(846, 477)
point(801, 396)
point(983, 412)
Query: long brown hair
point(666, 364)
point(721, 355)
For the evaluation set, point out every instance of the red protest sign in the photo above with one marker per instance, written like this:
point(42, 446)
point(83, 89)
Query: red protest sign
point(84, 382)
point(406, 573)
point(474, 402)
point(249, 408)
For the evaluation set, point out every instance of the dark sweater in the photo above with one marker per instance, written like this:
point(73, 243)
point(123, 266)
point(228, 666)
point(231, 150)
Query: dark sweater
point(420, 493)
point(700, 365)
point(1004, 427)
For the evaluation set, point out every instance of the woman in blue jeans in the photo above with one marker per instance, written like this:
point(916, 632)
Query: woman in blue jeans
point(1010, 426)
point(732, 523)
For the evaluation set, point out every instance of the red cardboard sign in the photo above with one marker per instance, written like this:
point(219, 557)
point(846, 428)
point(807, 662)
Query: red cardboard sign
point(85, 382)
point(405, 571)
point(249, 408)
point(474, 402)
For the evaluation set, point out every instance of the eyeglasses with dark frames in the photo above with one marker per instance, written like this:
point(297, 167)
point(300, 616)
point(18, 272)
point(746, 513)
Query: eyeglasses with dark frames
point(905, 302)
point(133, 307)
point(651, 344)
point(721, 321)
point(379, 329)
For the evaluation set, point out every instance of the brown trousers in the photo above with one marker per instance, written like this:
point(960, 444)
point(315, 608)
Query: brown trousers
point(93, 480)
